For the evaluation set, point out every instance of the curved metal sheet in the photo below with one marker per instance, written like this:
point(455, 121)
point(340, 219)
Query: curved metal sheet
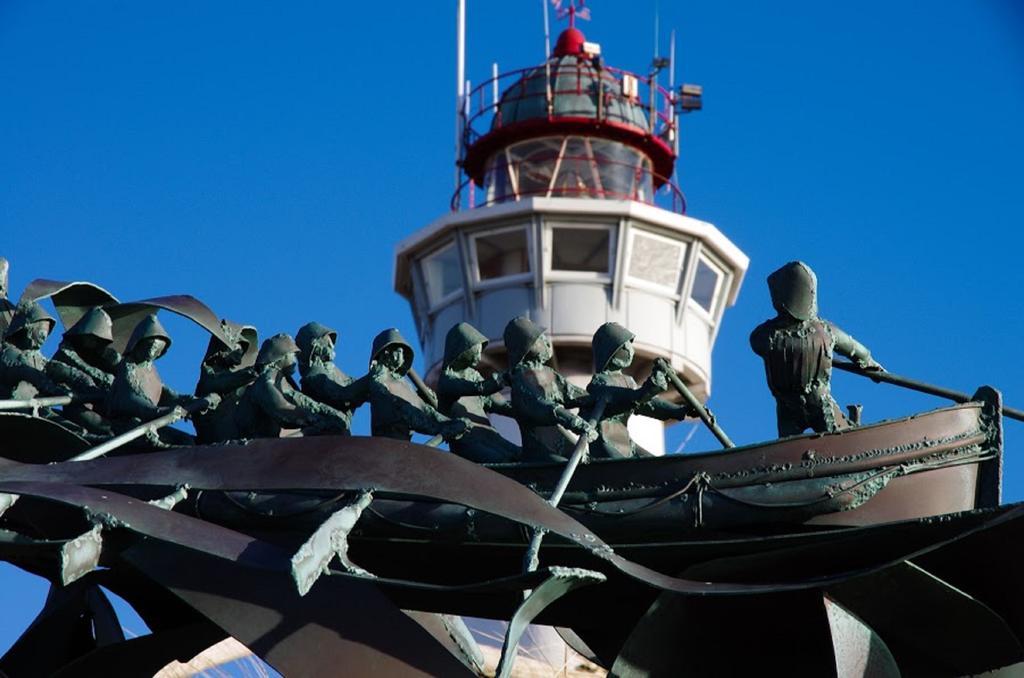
point(252, 337)
point(923, 619)
point(257, 603)
point(389, 466)
point(75, 620)
point(768, 635)
point(986, 565)
point(348, 629)
point(145, 655)
point(127, 315)
point(71, 299)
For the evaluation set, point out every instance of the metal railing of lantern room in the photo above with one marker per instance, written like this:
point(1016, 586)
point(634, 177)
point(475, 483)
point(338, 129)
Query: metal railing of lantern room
point(658, 104)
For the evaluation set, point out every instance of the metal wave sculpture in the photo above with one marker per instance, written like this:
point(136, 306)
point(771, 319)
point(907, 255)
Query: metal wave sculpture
point(881, 546)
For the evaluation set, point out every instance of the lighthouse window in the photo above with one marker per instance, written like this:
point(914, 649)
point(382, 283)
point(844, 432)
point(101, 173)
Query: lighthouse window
point(500, 254)
point(705, 285)
point(656, 260)
point(442, 273)
point(580, 249)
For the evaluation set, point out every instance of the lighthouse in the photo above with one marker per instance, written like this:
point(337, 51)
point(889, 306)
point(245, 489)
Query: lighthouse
point(565, 211)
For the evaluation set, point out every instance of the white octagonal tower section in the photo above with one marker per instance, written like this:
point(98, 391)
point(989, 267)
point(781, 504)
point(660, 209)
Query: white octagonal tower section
point(572, 265)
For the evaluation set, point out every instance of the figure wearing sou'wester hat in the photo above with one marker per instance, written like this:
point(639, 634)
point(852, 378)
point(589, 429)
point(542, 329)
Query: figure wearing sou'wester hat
point(613, 351)
point(463, 392)
point(395, 409)
point(541, 397)
point(22, 365)
point(273, 404)
point(321, 379)
point(224, 371)
point(138, 393)
point(86, 363)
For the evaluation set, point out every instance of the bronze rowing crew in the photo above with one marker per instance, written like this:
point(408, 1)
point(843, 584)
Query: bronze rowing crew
point(243, 393)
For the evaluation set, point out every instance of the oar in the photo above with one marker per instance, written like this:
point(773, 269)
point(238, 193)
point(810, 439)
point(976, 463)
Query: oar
point(425, 391)
point(37, 403)
point(702, 411)
point(430, 397)
point(174, 415)
point(920, 386)
point(533, 550)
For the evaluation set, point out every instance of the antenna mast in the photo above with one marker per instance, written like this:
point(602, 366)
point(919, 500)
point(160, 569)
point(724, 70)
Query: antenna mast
point(460, 86)
point(547, 31)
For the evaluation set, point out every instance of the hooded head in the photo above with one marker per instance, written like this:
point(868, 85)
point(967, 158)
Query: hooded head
point(92, 334)
point(95, 323)
point(794, 290)
point(239, 344)
point(460, 340)
point(26, 315)
point(392, 338)
point(308, 335)
point(520, 335)
point(608, 339)
point(274, 349)
point(149, 329)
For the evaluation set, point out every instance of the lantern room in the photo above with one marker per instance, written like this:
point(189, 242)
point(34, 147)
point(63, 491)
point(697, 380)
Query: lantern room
point(571, 127)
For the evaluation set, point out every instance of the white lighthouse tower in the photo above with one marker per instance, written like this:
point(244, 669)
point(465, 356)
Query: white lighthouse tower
point(566, 212)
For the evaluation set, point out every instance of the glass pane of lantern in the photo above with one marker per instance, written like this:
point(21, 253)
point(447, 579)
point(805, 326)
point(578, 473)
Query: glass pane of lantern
point(502, 254)
point(497, 181)
point(532, 163)
point(580, 249)
point(577, 174)
point(617, 163)
point(656, 260)
point(705, 283)
point(442, 273)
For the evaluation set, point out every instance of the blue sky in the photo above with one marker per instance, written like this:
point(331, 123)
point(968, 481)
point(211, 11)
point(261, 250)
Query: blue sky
point(265, 157)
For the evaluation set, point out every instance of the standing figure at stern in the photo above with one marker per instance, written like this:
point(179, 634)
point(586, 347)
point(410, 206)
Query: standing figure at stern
point(797, 348)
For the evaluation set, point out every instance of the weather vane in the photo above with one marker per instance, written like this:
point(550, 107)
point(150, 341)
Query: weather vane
point(575, 10)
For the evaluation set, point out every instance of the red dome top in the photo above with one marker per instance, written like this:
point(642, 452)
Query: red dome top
point(570, 42)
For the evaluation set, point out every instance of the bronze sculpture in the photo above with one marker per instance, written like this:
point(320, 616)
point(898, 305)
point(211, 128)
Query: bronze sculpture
point(797, 348)
point(541, 397)
point(273, 403)
point(22, 365)
point(222, 372)
point(464, 393)
point(321, 379)
point(85, 363)
point(613, 352)
point(138, 393)
point(396, 411)
point(633, 523)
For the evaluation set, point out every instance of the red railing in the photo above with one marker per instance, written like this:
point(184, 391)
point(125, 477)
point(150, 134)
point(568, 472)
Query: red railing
point(657, 103)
